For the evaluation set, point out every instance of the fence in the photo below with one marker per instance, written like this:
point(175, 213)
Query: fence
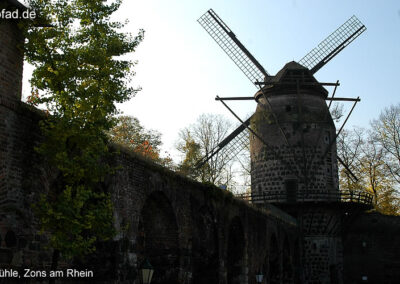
point(339, 196)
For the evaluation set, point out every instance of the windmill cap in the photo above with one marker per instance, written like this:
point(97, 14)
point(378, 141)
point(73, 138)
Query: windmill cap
point(292, 65)
point(285, 81)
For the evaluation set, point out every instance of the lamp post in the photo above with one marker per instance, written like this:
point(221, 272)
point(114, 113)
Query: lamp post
point(146, 272)
point(259, 277)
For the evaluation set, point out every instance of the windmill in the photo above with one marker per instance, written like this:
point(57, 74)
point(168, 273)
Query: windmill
point(291, 107)
point(293, 146)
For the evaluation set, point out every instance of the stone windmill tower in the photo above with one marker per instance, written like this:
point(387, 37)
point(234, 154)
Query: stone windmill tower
point(295, 167)
point(292, 146)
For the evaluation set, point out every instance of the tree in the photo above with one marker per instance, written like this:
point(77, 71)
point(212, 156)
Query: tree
point(337, 112)
point(386, 131)
point(130, 133)
point(79, 75)
point(366, 159)
point(198, 140)
point(349, 144)
point(375, 174)
point(192, 152)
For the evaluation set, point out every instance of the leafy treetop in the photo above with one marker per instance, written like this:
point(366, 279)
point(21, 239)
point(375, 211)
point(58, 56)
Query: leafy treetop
point(79, 75)
point(130, 133)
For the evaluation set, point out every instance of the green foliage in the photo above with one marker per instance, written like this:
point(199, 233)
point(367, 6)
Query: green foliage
point(77, 217)
point(192, 156)
point(79, 76)
point(76, 152)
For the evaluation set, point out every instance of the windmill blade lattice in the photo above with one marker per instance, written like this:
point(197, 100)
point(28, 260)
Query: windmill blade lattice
point(231, 146)
point(237, 145)
point(333, 44)
point(227, 40)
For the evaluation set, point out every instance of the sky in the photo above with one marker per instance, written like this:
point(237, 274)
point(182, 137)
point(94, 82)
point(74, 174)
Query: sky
point(181, 69)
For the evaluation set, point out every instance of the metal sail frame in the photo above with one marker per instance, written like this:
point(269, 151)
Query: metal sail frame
point(333, 44)
point(227, 40)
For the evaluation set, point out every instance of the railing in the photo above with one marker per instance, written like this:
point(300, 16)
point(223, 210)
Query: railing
point(359, 197)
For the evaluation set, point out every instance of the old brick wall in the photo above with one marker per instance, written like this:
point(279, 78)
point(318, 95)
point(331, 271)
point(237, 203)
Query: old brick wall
point(20, 177)
point(371, 249)
point(187, 230)
point(322, 244)
point(208, 234)
point(11, 62)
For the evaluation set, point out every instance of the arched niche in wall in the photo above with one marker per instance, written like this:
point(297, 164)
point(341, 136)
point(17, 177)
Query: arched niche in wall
point(297, 269)
point(158, 240)
point(10, 239)
point(287, 261)
point(236, 254)
point(274, 261)
point(205, 250)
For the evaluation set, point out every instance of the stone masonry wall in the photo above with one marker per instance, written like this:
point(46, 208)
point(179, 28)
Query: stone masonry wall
point(21, 179)
point(371, 247)
point(183, 227)
point(284, 161)
point(202, 217)
point(11, 62)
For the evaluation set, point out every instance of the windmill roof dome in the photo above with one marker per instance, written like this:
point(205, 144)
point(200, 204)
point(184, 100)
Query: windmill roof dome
point(286, 80)
point(292, 65)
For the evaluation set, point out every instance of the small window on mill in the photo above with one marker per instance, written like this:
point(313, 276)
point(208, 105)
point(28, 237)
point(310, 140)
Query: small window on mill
point(327, 138)
point(291, 190)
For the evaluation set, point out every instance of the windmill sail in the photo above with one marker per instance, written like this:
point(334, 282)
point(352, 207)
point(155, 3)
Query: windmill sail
point(227, 40)
point(333, 44)
point(231, 146)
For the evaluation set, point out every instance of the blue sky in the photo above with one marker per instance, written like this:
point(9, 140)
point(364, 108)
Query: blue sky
point(181, 69)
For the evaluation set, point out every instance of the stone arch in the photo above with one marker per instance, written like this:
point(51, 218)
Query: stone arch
point(10, 239)
point(265, 265)
point(205, 249)
point(274, 263)
point(298, 273)
point(287, 261)
point(236, 254)
point(158, 238)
